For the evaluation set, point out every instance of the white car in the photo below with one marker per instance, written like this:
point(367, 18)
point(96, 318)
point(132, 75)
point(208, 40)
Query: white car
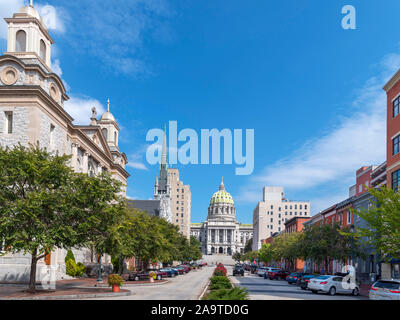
point(385, 290)
point(333, 285)
point(261, 271)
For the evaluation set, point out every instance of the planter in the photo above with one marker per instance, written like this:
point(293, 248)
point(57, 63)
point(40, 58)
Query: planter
point(151, 279)
point(115, 288)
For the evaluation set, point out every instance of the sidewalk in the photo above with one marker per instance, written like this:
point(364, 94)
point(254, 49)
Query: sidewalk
point(65, 289)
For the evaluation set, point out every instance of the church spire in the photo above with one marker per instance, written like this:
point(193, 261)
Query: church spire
point(31, 3)
point(164, 158)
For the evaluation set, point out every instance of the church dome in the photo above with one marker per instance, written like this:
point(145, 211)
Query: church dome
point(31, 11)
point(107, 116)
point(222, 196)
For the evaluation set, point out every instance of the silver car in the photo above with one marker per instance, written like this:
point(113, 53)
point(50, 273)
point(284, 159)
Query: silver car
point(385, 290)
point(333, 285)
point(261, 271)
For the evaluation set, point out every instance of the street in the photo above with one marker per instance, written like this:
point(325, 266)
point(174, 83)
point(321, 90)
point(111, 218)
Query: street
point(183, 287)
point(261, 289)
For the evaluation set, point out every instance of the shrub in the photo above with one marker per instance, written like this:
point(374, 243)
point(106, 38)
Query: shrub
point(220, 270)
point(70, 255)
point(227, 294)
point(220, 282)
point(114, 279)
point(80, 269)
point(71, 267)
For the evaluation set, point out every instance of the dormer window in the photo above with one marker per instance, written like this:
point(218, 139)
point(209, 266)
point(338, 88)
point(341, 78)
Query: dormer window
point(42, 50)
point(20, 45)
point(105, 133)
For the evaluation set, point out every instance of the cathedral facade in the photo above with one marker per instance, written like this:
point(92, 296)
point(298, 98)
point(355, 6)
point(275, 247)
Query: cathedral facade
point(32, 111)
point(221, 233)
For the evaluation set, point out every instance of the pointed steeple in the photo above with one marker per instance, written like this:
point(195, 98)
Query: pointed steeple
point(164, 158)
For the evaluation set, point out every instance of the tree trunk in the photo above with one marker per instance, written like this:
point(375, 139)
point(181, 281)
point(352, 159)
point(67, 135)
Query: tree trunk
point(32, 279)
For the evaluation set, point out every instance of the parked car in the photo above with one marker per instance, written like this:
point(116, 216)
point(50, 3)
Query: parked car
point(293, 277)
point(261, 271)
point(238, 270)
point(170, 272)
point(184, 267)
point(304, 280)
point(277, 274)
point(332, 285)
point(181, 270)
point(144, 275)
point(385, 290)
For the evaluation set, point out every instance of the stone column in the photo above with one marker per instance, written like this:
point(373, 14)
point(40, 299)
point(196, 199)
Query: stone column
point(74, 159)
point(85, 162)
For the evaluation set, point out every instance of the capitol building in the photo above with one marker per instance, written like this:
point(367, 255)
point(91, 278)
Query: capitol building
point(221, 233)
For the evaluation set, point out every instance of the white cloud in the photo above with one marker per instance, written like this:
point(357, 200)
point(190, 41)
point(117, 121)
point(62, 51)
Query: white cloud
point(80, 108)
point(137, 165)
point(135, 160)
point(331, 158)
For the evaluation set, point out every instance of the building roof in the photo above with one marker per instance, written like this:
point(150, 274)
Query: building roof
point(151, 207)
point(221, 196)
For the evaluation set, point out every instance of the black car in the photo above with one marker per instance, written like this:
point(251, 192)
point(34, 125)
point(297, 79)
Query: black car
point(238, 270)
point(304, 280)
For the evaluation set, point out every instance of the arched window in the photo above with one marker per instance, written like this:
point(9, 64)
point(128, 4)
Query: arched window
point(20, 41)
point(105, 133)
point(115, 138)
point(42, 50)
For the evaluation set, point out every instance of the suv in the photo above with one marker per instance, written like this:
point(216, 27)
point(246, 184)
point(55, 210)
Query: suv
point(277, 274)
point(385, 290)
point(238, 270)
point(261, 271)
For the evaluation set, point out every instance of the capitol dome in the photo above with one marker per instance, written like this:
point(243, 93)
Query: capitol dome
point(221, 205)
point(221, 196)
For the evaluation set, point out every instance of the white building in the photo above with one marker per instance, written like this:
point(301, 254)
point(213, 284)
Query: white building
point(221, 233)
point(271, 214)
point(32, 111)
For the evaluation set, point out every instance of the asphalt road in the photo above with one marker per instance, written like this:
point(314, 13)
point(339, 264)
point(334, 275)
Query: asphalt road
point(183, 287)
point(261, 289)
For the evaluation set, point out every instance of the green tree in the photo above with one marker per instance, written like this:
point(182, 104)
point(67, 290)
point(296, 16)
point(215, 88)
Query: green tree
point(383, 220)
point(325, 242)
point(249, 246)
point(44, 205)
point(266, 253)
point(237, 256)
point(35, 215)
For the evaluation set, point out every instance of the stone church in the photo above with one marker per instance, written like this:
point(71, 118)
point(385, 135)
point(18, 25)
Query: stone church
point(221, 233)
point(32, 110)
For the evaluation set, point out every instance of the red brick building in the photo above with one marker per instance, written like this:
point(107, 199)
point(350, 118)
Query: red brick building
point(295, 225)
point(392, 89)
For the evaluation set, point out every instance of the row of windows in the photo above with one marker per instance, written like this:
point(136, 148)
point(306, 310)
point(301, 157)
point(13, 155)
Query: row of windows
point(395, 180)
point(20, 45)
point(291, 207)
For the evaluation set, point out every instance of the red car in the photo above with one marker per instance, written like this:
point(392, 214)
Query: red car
point(184, 268)
point(144, 275)
point(278, 275)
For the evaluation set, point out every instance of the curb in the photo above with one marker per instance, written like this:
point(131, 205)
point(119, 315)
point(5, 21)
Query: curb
point(146, 284)
point(204, 290)
point(74, 296)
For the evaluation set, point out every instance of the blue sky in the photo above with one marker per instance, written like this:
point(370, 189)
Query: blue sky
point(311, 90)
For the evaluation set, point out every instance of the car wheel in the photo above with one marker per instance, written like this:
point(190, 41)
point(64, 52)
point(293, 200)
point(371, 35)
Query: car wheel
point(302, 288)
point(159, 277)
point(314, 291)
point(137, 278)
point(279, 278)
point(355, 292)
point(332, 291)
